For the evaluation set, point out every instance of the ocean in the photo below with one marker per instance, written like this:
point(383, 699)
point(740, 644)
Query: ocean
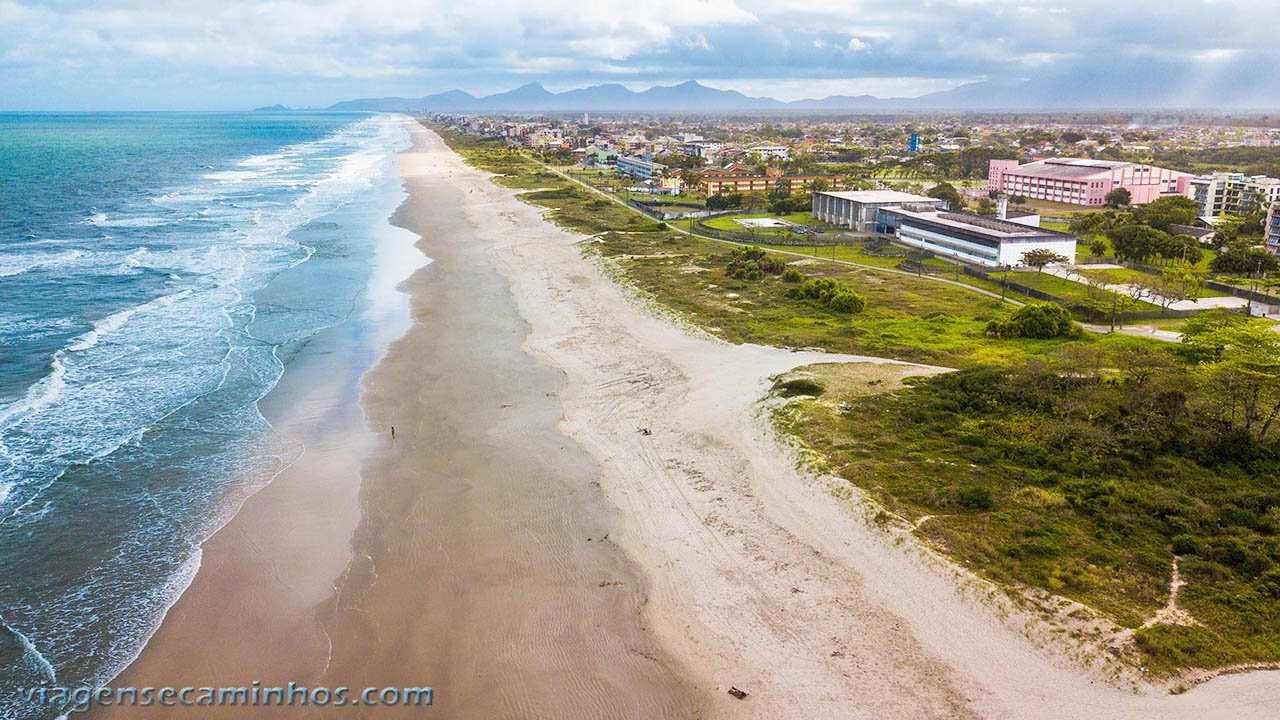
point(159, 272)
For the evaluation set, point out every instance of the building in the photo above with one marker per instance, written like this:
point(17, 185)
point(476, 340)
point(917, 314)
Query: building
point(1229, 193)
point(976, 239)
point(639, 167)
point(1271, 228)
point(740, 179)
point(1077, 181)
point(700, 148)
point(857, 209)
point(602, 157)
point(769, 152)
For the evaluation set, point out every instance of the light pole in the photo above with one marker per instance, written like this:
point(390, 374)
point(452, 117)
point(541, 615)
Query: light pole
point(1253, 288)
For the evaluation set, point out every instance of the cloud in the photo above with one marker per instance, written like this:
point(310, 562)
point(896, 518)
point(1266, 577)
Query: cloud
point(87, 53)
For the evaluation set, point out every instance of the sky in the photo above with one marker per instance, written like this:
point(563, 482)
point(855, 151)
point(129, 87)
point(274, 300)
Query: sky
point(236, 54)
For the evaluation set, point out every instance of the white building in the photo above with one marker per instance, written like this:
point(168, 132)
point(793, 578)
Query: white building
point(976, 239)
point(769, 152)
point(639, 167)
point(856, 209)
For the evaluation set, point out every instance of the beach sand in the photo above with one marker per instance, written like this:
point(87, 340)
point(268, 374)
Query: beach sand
point(528, 553)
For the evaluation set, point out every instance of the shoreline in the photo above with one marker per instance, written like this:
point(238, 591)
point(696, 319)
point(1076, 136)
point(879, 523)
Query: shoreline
point(258, 577)
point(524, 550)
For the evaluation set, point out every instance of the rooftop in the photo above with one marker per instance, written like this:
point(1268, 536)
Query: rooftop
point(1054, 169)
point(987, 225)
point(879, 196)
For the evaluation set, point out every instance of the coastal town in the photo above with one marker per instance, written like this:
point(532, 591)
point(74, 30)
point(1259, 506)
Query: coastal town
point(961, 195)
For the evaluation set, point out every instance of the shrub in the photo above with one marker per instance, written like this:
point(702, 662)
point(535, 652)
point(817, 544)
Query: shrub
point(792, 275)
point(975, 498)
point(1184, 545)
point(1035, 320)
point(751, 264)
point(835, 296)
point(847, 301)
point(821, 289)
point(799, 386)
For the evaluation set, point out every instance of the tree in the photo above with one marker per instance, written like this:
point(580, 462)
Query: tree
point(1164, 213)
point(1120, 197)
point(1180, 281)
point(1039, 257)
point(1241, 259)
point(1036, 320)
point(1137, 242)
point(986, 207)
point(1091, 223)
point(947, 191)
point(1098, 247)
point(1239, 370)
point(724, 201)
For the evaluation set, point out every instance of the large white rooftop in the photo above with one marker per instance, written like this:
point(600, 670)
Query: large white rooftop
point(879, 196)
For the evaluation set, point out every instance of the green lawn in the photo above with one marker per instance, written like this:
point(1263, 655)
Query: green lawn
point(728, 222)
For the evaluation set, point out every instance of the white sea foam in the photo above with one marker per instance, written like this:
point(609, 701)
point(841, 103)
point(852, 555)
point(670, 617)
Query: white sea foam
point(19, 263)
point(143, 221)
point(116, 320)
point(118, 381)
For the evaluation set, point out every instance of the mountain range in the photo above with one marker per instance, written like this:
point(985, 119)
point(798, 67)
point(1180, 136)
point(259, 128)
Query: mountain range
point(690, 96)
point(1103, 91)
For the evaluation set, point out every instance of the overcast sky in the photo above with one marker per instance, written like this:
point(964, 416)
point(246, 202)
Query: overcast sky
point(232, 54)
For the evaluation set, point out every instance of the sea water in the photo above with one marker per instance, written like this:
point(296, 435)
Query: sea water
point(158, 272)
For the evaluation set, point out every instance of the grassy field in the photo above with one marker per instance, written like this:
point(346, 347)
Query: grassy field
point(995, 469)
point(1078, 466)
point(800, 218)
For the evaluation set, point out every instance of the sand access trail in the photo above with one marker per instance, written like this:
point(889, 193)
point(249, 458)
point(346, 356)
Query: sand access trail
point(756, 576)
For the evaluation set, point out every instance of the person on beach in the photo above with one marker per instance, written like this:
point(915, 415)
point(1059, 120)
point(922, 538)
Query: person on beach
point(393, 432)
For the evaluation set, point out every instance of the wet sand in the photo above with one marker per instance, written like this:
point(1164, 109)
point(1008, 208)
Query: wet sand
point(484, 565)
point(470, 554)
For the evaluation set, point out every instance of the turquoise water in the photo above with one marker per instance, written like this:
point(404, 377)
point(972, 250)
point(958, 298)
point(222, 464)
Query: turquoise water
point(158, 272)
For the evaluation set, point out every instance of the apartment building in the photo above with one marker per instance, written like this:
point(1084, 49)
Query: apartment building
point(1229, 193)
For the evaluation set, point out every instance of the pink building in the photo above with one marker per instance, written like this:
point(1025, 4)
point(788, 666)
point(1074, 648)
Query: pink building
point(1085, 182)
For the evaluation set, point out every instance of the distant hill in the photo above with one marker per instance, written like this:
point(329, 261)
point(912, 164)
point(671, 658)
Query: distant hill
point(272, 108)
point(1109, 90)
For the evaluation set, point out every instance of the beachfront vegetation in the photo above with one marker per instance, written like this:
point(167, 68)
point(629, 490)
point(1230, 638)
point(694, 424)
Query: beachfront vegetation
point(1084, 465)
point(1085, 474)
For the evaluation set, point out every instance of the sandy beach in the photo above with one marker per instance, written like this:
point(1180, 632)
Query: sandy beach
point(524, 550)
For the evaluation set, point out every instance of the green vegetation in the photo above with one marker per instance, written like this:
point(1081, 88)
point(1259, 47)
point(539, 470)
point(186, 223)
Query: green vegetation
point(1076, 463)
point(1247, 159)
point(1085, 476)
point(1035, 320)
point(831, 294)
point(752, 264)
